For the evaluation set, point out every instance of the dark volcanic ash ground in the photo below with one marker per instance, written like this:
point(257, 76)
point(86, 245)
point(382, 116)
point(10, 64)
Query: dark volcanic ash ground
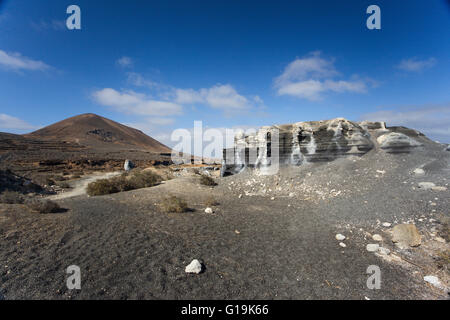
point(269, 237)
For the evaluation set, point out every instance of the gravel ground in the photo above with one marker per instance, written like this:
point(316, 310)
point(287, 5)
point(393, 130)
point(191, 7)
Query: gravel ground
point(277, 244)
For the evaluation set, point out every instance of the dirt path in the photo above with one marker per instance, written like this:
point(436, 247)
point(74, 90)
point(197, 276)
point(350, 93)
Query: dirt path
point(79, 186)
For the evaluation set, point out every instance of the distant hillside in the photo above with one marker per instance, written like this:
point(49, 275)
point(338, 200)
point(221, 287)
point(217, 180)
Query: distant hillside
point(97, 132)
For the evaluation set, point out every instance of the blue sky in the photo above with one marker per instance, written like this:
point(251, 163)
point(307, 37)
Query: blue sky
point(160, 65)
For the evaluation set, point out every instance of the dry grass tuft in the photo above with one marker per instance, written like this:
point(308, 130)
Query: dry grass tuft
point(44, 206)
point(173, 204)
point(207, 181)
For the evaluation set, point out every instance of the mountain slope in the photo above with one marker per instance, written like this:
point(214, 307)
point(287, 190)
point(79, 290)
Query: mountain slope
point(97, 132)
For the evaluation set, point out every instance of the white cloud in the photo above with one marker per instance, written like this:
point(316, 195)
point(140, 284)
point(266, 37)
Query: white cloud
point(223, 97)
point(135, 103)
point(16, 61)
point(415, 65)
point(311, 76)
point(125, 62)
point(433, 121)
point(8, 123)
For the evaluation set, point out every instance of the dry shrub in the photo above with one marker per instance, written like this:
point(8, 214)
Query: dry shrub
point(11, 197)
point(101, 187)
point(63, 185)
point(124, 182)
point(44, 206)
point(207, 181)
point(173, 204)
point(211, 202)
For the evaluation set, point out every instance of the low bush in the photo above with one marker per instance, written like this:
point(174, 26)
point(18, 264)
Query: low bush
point(44, 206)
point(125, 182)
point(173, 204)
point(207, 181)
point(11, 197)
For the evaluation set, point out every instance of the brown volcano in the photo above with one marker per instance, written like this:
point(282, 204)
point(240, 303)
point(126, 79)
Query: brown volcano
point(96, 132)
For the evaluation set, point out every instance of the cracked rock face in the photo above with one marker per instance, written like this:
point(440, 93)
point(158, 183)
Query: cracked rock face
point(295, 144)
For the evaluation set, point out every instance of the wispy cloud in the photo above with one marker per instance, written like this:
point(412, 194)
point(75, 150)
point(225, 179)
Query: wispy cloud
point(56, 25)
point(312, 76)
point(135, 103)
point(8, 123)
point(433, 121)
point(416, 65)
point(125, 62)
point(17, 62)
point(223, 97)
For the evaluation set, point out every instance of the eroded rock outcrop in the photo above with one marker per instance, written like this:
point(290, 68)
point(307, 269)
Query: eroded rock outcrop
point(314, 141)
point(295, 144)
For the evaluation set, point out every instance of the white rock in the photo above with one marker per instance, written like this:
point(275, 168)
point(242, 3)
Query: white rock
point(433, 280)
point(340, 237)
point(439, 239)
point(209, 210)
point(194, 267)
point(373, 247)
point(426, 185)
point(384, 251)
point(343, 245)
point(377, 237)
point(291, 194)
point(419, 172)
point(386, 224)
point(439, 188)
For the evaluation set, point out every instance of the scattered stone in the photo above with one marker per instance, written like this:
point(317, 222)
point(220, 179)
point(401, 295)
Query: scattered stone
point(439, 188)
point(381, 171)
point(209, 210)
point(426, 185)
point(439, 239)
point(237, 232)
point(240, 196)
point(434, 281)
point(340, 237)
point(406, 235)
point(343, 245)
point(377, 237)
point(419, 172)
point(291, 195)
point(194, 267)
point(386, 224)
point(384, 251)
point(373, 247)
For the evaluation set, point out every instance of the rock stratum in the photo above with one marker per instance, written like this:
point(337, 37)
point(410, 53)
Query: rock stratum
point(315, 141)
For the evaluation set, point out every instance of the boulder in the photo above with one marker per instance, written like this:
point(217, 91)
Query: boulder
point(128, 165)
point(406, 235)
point(396, 142)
